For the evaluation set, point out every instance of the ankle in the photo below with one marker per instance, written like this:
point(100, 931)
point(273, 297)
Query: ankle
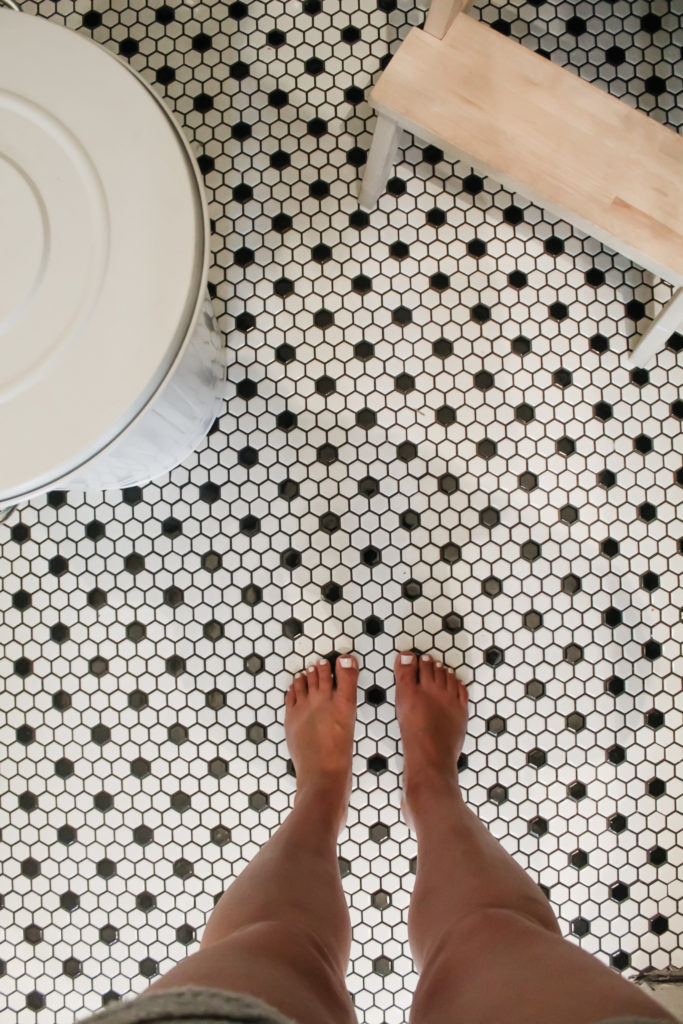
point(327, 795)
point(427, 789)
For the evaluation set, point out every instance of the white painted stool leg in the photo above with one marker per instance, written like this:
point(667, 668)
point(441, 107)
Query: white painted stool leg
point(381, 159)
point(654, 339)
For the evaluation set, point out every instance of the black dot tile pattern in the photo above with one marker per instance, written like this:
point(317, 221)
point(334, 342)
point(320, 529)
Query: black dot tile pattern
point(431, 442)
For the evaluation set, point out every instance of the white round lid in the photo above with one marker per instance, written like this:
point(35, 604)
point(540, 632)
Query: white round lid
point(103, 248)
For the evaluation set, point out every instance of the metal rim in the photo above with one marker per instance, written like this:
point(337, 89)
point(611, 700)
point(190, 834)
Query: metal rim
point(6, 512)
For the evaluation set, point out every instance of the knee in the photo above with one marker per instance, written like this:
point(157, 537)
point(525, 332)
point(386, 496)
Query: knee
point(301, 954)
point(469, 944)
point(489, 925)
point(288, 942)
point(539, 914)
point(544, 915)
point(283, 964)
point(480, 929)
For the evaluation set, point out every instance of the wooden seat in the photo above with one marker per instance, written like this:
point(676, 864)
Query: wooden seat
point(543, 132)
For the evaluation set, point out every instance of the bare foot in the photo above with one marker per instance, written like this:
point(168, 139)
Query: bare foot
point(319, 727)
point(432, 714)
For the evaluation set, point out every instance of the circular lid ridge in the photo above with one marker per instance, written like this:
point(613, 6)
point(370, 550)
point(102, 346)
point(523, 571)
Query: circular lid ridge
point(103, 248)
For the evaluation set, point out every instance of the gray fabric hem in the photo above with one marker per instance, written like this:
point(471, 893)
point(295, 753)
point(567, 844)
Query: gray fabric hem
point(196, 1004)
point(631, 1020)
point(189, 1004)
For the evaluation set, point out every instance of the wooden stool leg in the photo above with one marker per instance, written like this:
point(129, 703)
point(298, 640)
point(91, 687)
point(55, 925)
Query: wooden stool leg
point(441, 15)
point(380, 161)
point(655, 337)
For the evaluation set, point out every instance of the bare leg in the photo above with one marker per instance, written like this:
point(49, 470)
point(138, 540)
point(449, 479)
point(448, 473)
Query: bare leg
point(481, 931)
point(296, 874)
point(282, 930)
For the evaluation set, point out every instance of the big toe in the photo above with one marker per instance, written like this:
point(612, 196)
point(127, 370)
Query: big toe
point(346, 674)
point(405, 671)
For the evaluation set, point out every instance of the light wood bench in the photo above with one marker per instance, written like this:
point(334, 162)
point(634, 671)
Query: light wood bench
point(541, 131)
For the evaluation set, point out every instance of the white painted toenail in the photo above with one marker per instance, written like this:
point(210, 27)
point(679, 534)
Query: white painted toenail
point(346, 662)
point(425, 657)
point(406, 659)
point(310, 668)
point(438, 664)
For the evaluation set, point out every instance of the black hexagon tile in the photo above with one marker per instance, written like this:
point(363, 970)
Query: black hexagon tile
point(430, 441)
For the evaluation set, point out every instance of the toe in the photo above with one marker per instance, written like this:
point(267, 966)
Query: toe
point(452, 684)
point(426, 670)
point(405, 672)
point(346, 673)
point(290, 698)
point(300, 686)
point(325, 675)
point(312, 678)
point(439, 675)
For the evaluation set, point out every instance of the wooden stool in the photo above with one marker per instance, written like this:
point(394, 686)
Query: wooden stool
point(543, 132)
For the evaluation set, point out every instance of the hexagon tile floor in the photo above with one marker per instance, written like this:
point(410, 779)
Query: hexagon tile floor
point(430, 440)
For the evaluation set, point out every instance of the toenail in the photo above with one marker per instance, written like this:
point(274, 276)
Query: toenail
point(322, 662)
point(426, 657)
point(346, 662)
point(438, 664)
point(310, 668)
point(406, 659)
